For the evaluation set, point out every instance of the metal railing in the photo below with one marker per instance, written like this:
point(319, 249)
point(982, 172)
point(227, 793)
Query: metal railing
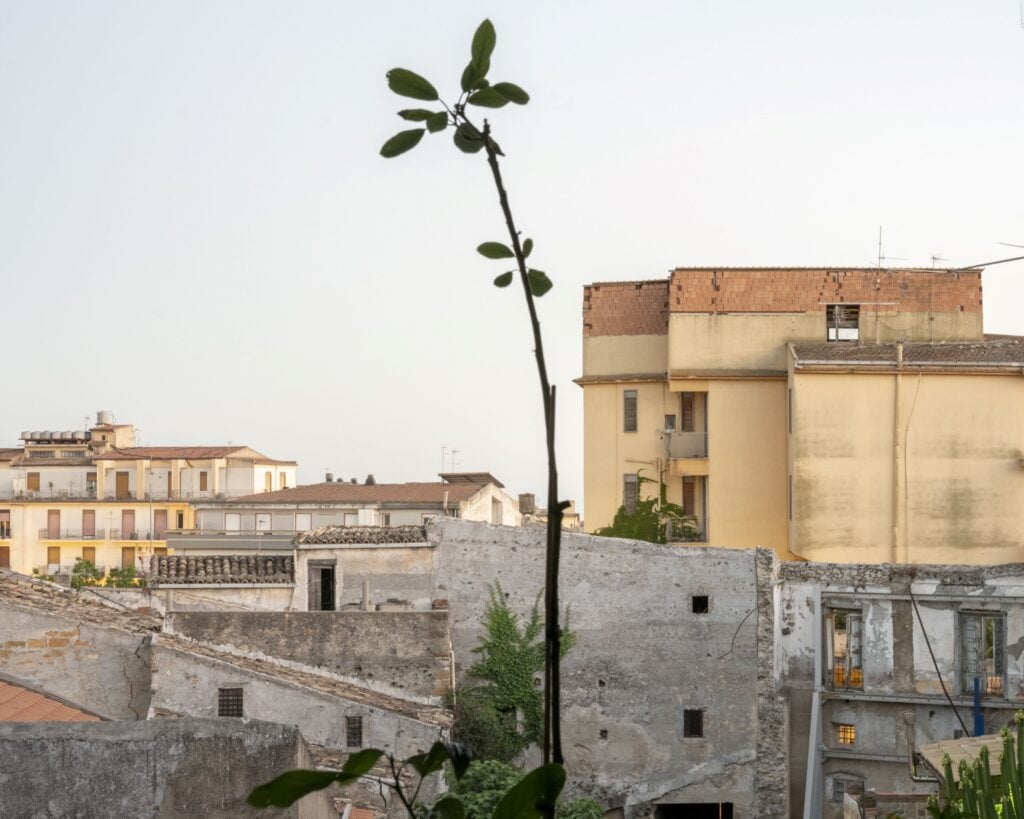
point(72, 534)
point(131, 534)
point(688, 445)
point(687, 529)
point(90, 493)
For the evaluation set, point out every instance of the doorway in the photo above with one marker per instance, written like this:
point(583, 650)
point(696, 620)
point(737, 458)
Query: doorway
point(322, 585)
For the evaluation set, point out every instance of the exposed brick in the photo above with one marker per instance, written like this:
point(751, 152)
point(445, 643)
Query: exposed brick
point(626, 308)
point(57, 642)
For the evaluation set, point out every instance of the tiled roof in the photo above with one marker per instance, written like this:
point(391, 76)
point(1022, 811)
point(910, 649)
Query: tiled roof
point(994, 351)
point(340, 492)
point(18, 704)
point(363, 535)
point(965, 749)
point(10, 454)
point(134, 453)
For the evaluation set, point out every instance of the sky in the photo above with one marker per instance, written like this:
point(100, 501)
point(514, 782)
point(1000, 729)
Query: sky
point(197, 231)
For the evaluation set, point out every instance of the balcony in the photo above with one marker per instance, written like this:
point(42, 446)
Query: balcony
point(687, 529)
point(688, 445)
point(232, 539)
point(132, 534)
point(71, 534)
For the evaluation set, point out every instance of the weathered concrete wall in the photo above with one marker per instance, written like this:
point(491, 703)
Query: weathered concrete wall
point(186, 683)
point(166, 768)
point(104, 670)
point(403, 652)
point(896, 662)
point(393, 571)
point(643, 656)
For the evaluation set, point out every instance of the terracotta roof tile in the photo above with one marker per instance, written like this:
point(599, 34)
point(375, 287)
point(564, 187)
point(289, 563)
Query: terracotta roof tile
point(18, 704)
point(340, 492)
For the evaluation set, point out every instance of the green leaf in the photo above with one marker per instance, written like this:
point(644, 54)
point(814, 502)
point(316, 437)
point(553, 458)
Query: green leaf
point(482, 48)
point(504, 280)
point(539, 282)
point(527, 248)
point(417, 114)
point(495, 250)
point(433, 760)
point(360, 763)
point(480, 84)
point(528, 798)
point(401, 142)
point(450, 807)
point(285, 789)
point(512, 92)
point(487, 98)
point(408, 84)
point(468, 76)
point(438, 122)
point(460, 755)
point(465, 144)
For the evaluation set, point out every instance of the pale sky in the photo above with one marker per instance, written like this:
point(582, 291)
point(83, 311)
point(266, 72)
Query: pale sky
point(197, 232)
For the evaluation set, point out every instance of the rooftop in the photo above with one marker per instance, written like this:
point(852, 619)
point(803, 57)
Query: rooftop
point(994, 351)
point(21, 704)
point(340, 492)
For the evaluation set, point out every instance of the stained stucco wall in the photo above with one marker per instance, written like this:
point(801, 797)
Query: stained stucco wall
point(937, 457)
point(159, 768)
point(643, 656)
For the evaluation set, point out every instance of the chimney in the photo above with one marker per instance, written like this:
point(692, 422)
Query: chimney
point(329, 477)
point(527, 504)
point(370, 480)
point(355, 481)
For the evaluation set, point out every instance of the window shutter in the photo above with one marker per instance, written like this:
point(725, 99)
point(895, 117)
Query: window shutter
point(314, 588)
point(971, 628)
point(999, 650)
point(854, 636)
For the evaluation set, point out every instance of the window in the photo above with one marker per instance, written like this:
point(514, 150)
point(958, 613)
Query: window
point(385, 518)
point(351, 518)
point(282, 481)
point(303, 521)
point(701, 604)
point(263, 522)
point(686, 410)
point(629, 411)
point(846, 734)
point(90, 484)
point(693, 722)
point(842, 322)
point(229, 702)
point(268, 481)
point(630, 492)
point(89, 553)
point(44, 454)
point(33, 482)
point(5, 523)
point(203, 481)
point(670, 423)
point(844, 631)
point(354, 732)
point(180, 519)
point(983, 652)
point(72, 453)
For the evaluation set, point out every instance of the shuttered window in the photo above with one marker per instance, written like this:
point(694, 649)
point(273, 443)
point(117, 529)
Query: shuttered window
point(629, 411)
point(630, 492)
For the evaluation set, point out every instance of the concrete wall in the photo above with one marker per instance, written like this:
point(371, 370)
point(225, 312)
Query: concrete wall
point(164, 768)
point(401, 652)
point(946, 475)
point(187, 683)
point(619, 355)
point(103, 670)
point(393, 571)
point(643, 657)
point(901, 701)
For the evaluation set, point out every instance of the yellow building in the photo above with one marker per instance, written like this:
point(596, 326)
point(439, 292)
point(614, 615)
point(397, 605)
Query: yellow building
point(92, 494)
point(833, 414)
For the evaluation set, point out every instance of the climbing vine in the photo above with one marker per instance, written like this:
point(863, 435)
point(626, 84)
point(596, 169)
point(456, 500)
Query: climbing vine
point(653, 519)
point(500, 708)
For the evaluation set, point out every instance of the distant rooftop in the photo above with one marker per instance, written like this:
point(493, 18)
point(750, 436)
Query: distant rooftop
point(341, 492)
point(21, 704)
point(994, 351)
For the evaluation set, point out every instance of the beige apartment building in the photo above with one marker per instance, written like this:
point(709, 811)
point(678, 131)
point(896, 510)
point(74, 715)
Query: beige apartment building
point(832, 414)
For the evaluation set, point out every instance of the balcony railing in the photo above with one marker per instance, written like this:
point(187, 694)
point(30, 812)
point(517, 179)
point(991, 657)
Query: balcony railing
point(90, 493)
point(688, 445)
point(688, 529)
point(72, 534)
point(131, 534)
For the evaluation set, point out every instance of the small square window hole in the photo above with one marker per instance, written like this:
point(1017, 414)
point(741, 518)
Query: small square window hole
point(701, 604)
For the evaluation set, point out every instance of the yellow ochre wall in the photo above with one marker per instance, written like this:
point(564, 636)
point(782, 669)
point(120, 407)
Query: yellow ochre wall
point(958, 474)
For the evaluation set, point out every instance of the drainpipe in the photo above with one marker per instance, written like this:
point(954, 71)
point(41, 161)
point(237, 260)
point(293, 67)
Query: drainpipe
point(897, 506)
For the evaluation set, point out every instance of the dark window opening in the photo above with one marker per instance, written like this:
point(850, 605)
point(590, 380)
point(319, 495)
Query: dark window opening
point(629, 411)
point(701, 604)
point(354, 732)
point(842, 322)
point(693, 722)
point(229, 702)
point(694, 810)
point(670, 423)
point(983, 649)
point(321, 588)
point(604, 733)
point(630, 493)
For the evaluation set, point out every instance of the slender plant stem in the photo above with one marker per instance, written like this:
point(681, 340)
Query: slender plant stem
point(552, 746)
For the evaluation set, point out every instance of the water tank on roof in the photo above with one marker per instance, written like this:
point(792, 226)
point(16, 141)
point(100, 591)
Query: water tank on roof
point(79, 434)
point(329, 477)
point(66, 435)
point(104, 417)
point(26, 436)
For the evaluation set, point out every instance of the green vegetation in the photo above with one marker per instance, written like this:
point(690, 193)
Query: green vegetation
point(499, 708)
point(85, 573)
point(653, 519)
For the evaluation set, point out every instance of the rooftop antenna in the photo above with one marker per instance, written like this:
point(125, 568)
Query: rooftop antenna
point(454, 461)
point(1022, 13)
point(937, 258)
point(881, 256)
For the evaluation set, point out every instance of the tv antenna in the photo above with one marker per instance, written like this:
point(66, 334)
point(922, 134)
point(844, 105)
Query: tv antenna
point(937, 258)
point(448, 455)
point(881, 256)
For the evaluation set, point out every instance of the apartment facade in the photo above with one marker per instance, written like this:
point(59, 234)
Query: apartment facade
point(92, 494)
point(828, 413)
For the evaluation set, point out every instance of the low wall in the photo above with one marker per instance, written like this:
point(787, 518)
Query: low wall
point(186, 767)
point(406, 653)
